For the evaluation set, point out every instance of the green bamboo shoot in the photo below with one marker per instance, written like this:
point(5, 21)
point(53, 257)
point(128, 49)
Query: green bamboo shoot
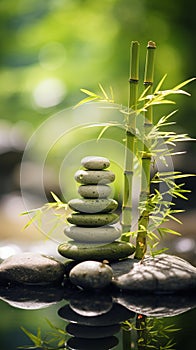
point(130, 141)
point(141, 244)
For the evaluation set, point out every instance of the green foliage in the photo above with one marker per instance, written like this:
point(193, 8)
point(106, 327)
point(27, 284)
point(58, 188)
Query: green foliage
point(155, 207)
point(152, 333)
point(94, 45)
point(58, 212)
point(94, 97)
point(53, 340)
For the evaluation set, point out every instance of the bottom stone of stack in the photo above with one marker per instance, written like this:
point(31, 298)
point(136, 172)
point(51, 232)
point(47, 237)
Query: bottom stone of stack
point(81, 252)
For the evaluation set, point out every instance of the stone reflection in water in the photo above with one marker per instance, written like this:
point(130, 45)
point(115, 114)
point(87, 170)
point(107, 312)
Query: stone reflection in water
point(93, 320)
point(31, 297)
point(105, 319)
point(156, 305)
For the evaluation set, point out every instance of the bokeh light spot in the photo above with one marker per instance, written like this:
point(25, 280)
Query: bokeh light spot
point(49, 92)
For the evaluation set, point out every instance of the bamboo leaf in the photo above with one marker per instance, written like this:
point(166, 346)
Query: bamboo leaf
point(34, 218)
point(160, 251)
point(161, 102)
point(103, 91)
point(181, 176)
point(35, 339)
point(59, 330)
point(180, 195)
point(29, 212)
point(174, 92)
point(106, 127)
point(112, 93)
point(174, 218)
point(160, 84)
point(143, 93)
point(89, 93)
point(103, 131)
point(169, 230)
point(179, 86)
point(55, 197)
point(85, 100)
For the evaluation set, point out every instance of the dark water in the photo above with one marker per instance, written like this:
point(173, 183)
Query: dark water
point(95, 321)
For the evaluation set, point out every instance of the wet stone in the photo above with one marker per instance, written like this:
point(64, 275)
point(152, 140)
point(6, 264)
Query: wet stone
point(81, 252)
point(32, 268)
point(84, 205)
point(156, 305)
point(94, 177)
point(94, 191)
point(162, 273)
point(91, 302)
point(90, 332)
point(31, 297)
point(117, 314)
point(95, 163)
point(91, 275)
point(76, 343)
point(92, 220)
point(104, 234)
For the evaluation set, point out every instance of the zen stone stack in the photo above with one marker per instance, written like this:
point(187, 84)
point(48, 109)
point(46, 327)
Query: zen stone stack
point(92, 231)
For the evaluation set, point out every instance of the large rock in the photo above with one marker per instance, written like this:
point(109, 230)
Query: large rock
point(163, 273)
point(32, 268)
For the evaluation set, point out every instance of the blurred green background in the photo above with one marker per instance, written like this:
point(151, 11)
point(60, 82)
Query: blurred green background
point(49, 50)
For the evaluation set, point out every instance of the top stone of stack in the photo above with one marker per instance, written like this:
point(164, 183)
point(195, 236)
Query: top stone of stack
point(95, 163)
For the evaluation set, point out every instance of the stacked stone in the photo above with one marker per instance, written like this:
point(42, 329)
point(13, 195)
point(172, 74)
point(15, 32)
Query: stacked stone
point(92, 233)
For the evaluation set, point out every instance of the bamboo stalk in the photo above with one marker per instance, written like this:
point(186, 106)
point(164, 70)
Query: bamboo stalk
point(142, 334)
point(126, 339)
point(141, 244)
point(130, 141)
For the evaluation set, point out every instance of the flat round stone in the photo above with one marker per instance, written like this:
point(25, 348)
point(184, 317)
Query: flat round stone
point(91, 275)
point(94, 177)
point(104, 234)
point(95, 163)
point(92, 220)
point(87, 205)
point(94, 191)
point(81, 252)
